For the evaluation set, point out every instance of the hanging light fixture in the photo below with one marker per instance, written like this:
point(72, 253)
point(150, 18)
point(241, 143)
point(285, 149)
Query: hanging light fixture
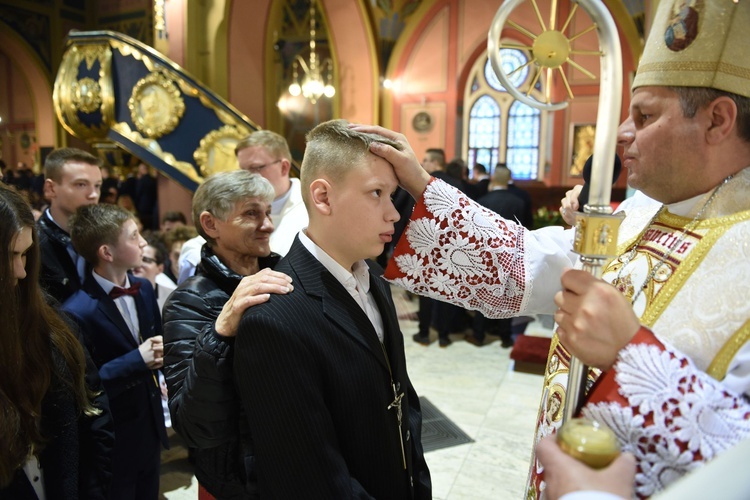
point(318, 76)
point(160, 19)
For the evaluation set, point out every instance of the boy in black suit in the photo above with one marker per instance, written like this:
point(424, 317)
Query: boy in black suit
point(321, 371)
point(72, 179)
point(121, 327)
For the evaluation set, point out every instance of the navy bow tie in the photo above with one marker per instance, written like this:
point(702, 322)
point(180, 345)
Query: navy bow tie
point(117, 292)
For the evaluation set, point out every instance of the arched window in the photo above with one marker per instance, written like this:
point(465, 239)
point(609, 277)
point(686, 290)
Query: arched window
point(522, 153)
point(497, 128)
point(484, 132)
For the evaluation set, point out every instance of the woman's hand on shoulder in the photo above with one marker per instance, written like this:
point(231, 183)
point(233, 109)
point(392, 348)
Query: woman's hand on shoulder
point(251, 291)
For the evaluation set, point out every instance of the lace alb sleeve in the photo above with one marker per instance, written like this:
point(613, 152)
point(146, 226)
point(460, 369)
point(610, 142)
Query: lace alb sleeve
point(668, 413)
point(457, 251)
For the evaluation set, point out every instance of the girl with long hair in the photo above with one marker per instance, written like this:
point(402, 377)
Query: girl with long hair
point(55, 425)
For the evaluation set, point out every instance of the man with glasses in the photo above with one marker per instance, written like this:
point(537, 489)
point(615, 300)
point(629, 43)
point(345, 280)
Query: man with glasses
point(266, 153)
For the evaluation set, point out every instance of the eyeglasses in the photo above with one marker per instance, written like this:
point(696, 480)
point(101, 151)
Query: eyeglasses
point(148, 260)
point(256, 170)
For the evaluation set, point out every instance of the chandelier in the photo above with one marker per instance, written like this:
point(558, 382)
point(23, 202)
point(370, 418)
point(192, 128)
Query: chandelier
point(318, 76)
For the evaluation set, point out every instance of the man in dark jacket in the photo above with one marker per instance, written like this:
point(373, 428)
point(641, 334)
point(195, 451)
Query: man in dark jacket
point(434, 164)
point(510, 206)
point(72, 179)
point(232, 212)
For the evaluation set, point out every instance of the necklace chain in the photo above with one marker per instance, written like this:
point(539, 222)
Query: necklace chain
point(687, 229)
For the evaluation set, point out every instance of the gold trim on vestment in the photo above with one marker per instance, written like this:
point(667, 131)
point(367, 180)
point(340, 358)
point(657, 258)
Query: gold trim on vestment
point(715, 228)
point(720, 364)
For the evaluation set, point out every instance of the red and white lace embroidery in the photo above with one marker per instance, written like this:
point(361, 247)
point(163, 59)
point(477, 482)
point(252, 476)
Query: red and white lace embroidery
point(668, 413)
point(457, 251)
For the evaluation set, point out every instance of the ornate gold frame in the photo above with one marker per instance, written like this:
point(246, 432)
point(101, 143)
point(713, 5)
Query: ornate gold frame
point(216, 150)
point(156, 105)
point(87, 95)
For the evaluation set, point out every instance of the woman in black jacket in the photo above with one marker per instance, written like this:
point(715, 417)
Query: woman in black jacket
point(232, 212)
point(55, 427)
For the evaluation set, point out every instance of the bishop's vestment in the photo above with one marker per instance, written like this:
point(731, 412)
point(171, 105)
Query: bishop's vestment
point(678, 393)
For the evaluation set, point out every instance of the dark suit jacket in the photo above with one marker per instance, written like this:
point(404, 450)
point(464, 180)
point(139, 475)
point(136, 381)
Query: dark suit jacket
point(58, 276)
point(504, 203)
point(476, 191)
point(528, 217)
point(133, 390)
point(316, 385)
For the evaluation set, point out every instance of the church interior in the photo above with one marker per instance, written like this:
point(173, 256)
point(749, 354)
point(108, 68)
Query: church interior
point(419, 67)
point(176, 84)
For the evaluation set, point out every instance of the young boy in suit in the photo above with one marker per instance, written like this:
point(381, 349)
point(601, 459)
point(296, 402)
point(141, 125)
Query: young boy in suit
point(321, 371)
point(121, 327)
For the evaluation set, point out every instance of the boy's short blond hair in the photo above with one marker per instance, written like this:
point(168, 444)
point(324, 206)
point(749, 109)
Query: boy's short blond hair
point(333, 149)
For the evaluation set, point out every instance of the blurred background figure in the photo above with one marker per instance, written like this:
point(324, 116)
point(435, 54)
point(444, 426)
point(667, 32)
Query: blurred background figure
point(146, 198)
point(110, 186)
point(171, 220)
point(152, 268)
point(174, 240)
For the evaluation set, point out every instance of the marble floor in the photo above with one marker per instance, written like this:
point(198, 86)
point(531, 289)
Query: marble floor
point(474, 387)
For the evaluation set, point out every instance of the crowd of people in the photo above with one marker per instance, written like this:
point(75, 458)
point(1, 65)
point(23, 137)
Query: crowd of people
point(278, 356)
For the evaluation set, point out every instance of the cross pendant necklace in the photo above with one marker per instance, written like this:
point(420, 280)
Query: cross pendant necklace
point(399, 416)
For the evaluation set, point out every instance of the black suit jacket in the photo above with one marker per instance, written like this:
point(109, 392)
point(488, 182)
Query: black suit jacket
point(58, 275)
point(477, 190)
point(505, 203)
point(528, 217)
point(133, 390)
point(316, 385)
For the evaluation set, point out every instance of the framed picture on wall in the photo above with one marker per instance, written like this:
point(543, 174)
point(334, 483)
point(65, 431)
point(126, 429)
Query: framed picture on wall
point(582, 146)
point(422, 122)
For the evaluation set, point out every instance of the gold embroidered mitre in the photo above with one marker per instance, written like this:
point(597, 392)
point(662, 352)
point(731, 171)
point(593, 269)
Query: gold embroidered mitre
point(698, 43)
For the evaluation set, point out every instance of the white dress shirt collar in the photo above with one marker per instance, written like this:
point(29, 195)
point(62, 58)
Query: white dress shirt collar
point(356, 282)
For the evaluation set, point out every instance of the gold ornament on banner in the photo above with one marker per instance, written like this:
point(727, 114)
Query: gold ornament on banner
point(156, 105)
point(216, 150)
point(87, 95)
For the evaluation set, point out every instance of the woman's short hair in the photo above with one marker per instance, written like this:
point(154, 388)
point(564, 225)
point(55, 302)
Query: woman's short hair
point(220, 193)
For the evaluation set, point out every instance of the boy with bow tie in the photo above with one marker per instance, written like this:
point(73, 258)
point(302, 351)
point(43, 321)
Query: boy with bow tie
point(121, 326)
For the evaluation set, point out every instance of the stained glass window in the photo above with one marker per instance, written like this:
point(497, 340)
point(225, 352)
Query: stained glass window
point(511, 60)
point(498, 126)
point(522, 153)
point(484, 132)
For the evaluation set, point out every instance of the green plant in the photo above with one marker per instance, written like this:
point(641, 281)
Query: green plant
point(545, 216)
